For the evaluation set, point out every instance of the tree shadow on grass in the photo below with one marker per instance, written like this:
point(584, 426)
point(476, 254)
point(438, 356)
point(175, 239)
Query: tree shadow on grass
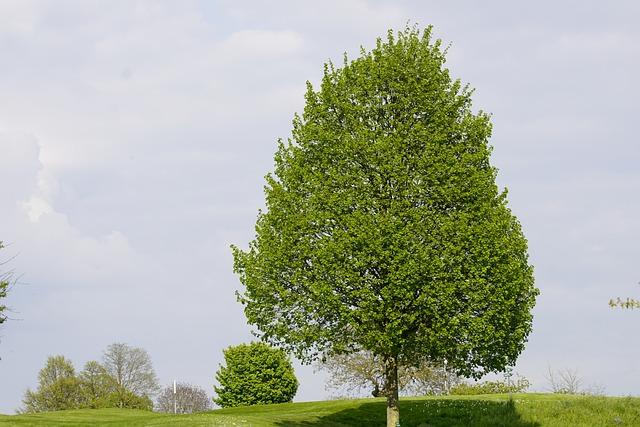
point(425, 413)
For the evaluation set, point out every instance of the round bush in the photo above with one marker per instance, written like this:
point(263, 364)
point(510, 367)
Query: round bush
point(254, 374)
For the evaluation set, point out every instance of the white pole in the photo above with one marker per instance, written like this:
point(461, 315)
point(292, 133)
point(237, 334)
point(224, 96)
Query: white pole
point(175, 403)
point(446, 391)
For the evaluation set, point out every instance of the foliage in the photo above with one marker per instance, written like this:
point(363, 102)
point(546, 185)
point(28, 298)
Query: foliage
point(131, 368)
point(628, 303)
point(364, 370)
point(97, 385)
point(187, 399)
point(384, 229)
point(56, 368)
point(101, 390)
point(524, 410)
point(5, 281)
point(58, 388)
point(4, 288)
point(520, 385)
point(61, 395)
point(123, 398)
point(255, 374)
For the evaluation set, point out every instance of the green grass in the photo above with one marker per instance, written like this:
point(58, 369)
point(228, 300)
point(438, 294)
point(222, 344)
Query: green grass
point(523, 410)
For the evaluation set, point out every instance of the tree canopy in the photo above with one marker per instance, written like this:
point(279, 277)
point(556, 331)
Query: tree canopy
point(131, 368)
point(58, 388)
point(384, 229)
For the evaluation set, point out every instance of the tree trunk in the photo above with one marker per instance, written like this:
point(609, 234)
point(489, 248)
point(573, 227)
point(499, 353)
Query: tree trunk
point(391, 388)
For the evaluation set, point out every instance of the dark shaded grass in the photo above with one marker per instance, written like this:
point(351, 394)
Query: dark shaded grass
point(522, 410)
point(432, 413)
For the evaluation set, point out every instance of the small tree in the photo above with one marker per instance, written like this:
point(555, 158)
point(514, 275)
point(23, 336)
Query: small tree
point(187, 399)
point(58, 388)
point(5, 280)
point(364, 370)
point(564, 381)
point(4, 288)
point(132, 370)
point(255, 373)
point(97, 385)
point(101, 390)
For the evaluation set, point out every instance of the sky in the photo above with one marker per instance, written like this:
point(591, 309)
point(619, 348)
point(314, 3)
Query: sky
point(135, 136)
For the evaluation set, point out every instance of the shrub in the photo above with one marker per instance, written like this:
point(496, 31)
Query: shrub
point(255, 373)
point(491, 387)
point(123, 398)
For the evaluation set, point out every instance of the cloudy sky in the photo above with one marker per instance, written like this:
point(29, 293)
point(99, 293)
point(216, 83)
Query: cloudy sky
point(134, 137)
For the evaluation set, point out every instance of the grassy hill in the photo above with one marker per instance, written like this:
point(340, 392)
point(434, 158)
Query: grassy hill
point(524, 410)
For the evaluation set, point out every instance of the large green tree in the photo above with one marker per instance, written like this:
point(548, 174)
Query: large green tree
point(384, 229)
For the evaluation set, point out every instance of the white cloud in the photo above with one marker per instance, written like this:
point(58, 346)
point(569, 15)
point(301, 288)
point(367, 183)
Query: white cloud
point(19, 166)
point(247, 45)
point(34, 227)
point(17, 17)
point(594, 45)
point(36, 207)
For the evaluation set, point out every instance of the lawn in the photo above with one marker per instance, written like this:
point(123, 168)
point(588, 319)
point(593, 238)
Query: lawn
point(523, 410)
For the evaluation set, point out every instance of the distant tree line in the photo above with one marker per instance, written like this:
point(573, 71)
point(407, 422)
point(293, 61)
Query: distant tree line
point(124, 379)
